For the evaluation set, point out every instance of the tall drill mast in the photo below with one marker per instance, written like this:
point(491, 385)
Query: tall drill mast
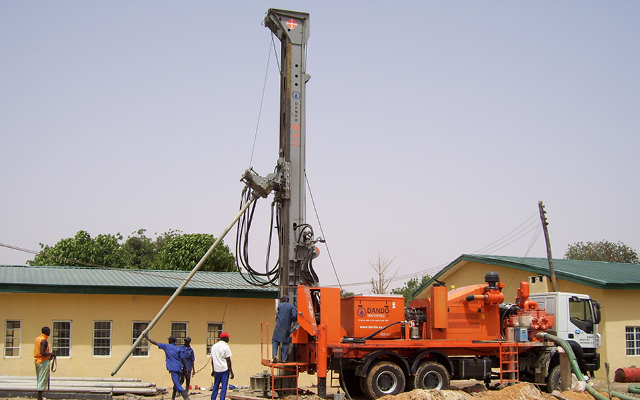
point(297, 246)
point(292, 28)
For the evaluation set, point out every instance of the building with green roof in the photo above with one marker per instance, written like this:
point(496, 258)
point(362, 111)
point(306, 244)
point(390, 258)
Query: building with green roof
point(95, 315)
point(615, 285)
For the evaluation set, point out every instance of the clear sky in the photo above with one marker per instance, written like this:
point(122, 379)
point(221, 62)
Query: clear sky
point(433, 128)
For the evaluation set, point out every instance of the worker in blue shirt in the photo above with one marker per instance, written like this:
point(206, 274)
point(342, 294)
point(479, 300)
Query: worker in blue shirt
point(174, 362)
point(188, 360)
point(285, 316)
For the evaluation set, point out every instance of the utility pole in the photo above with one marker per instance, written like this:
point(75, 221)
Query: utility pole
point(543, 217)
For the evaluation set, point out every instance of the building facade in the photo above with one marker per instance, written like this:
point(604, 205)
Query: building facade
point(96, 314)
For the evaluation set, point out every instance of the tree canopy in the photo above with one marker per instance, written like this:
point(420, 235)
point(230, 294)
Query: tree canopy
point(171, 250)
point(602, 251)
point(82, 250)
point(409, 288)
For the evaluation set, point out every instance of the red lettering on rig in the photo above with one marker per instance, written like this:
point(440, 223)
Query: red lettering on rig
point(296, 134)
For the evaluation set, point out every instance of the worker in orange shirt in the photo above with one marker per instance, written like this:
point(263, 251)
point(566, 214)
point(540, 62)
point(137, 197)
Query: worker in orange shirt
point(42, 355)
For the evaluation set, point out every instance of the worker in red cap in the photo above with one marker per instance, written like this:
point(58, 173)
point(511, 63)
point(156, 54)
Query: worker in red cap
point(285, 316)
point(221, 365)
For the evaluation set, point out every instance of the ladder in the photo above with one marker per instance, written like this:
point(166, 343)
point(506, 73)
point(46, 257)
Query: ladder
point(284, 376)
point(509, 362)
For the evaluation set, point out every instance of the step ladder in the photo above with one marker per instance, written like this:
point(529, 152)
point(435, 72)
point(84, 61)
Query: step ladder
point(509, 362)
point(284, 376)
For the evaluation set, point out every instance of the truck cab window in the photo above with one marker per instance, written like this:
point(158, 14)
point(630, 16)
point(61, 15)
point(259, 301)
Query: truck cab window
point(581, 314)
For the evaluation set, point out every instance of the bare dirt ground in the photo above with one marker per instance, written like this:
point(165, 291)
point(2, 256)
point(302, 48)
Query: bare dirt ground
point(460, 390)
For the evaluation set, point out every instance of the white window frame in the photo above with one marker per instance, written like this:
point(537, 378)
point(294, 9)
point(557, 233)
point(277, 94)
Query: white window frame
point(632, 340)
point(213, 335)
point(143, 346)
point(179, 333)
point(53, 338)
point(108, 338)
point(13, 337)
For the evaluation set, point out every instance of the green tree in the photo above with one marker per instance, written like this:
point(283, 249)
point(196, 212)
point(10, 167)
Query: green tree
point(171, 250)
point(409, 288)
point(183, 251)
point(345, 293)
point(81, 250)
point(602, 251)
point(141, 250)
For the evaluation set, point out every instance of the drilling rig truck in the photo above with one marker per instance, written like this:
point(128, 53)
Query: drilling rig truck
point(376, 344)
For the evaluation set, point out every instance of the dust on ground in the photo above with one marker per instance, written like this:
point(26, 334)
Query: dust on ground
point(459, 390)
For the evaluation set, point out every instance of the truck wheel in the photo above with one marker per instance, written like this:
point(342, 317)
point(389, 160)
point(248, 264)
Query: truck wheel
point(382, 379)
point(431, 375)
point(553, 379)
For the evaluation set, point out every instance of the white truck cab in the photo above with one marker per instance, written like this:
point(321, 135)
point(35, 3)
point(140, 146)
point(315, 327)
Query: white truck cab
point(576, 321)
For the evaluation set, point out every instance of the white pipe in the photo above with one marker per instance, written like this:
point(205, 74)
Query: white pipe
point(184, 283)
point(7, 378)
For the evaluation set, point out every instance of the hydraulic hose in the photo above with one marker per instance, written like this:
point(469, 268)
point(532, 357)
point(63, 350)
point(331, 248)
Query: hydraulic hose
point(634, 389)
point(576, 369)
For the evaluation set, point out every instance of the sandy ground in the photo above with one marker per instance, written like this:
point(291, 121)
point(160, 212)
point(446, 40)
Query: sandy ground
point(460, 390)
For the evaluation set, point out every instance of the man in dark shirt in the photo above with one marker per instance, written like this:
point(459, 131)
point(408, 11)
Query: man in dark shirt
point(174, 362)
point(282, 333)
point(188, 360)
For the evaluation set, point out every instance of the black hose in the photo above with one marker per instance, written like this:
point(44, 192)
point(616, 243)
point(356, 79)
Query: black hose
point(343, 384)
point(380, 330)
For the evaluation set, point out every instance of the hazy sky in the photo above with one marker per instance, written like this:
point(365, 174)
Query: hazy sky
point(433, 128)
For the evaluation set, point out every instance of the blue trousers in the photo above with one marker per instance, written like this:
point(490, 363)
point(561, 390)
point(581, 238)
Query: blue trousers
point(220, 378)
point(283, 351)
point(175, 377)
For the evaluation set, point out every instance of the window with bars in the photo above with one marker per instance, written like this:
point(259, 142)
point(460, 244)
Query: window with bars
point(12, 338)
point(214, 329)
point(61, 338)
point(179, 330)
point(101, 338)
point(633, 340)
point(142, 350)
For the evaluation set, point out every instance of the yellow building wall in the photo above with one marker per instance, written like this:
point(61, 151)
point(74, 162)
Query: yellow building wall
point(242, 319)
point(619, 308)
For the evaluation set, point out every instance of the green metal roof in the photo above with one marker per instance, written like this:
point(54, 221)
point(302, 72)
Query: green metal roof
point(26, 279)
point(597, 274)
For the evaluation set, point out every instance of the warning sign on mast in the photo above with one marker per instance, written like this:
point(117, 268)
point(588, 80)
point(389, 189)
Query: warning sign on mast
point(291, 23)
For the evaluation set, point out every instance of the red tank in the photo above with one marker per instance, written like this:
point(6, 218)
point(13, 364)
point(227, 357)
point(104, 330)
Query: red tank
point(631, 374)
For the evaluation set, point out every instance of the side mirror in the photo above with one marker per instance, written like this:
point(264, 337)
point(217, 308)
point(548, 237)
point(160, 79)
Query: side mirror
point(597, 315)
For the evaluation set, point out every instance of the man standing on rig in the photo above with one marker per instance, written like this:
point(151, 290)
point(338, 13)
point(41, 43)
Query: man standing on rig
point(285, 316)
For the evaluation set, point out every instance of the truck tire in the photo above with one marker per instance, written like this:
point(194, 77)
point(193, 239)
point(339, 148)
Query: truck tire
point(382, 379)
point(431, 375)
point(553, 379)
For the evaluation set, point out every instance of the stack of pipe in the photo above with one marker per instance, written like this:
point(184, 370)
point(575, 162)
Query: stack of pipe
point(82, 385)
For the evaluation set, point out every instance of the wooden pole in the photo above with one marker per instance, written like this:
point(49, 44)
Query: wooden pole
point(543, 217)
